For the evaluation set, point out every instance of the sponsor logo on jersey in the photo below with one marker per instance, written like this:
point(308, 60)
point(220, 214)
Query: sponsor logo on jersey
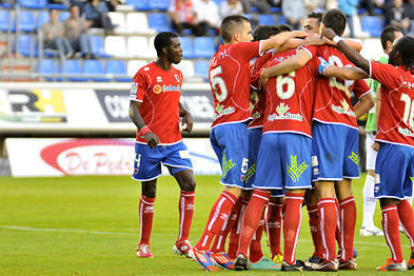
point(344, 109)
point(171, 88)
point(134, 90)
point(294, 171)
point(283, 114)
point(157, 89)
point(176, 78)
point(340, 86)
point(354, 158)
point(405, 132)
point(221, 111)
point(159, 79)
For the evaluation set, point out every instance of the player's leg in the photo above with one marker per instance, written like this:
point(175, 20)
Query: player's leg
point(235, 230)
point(274, 225)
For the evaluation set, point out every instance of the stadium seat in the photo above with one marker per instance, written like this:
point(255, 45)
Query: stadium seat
point(139, 5)
point(98, 47)
point(187, 46)
point(64, 15)
point(57, 6)
point(94, 69)
point(275, 10)
point(27, 21)
point(25, 44)
point(118, 19)
point(42, 18)
point(46, 67)
point(201, 68)
point(72, 70)
point(267, 19)
point(281, 19)
point(5, 20)
point(160, 22)
point(373, 25)
point(134, 66)
point(187, 68)
point(138, 46)
point(33, 4)
point(115, 46)
point(137, 22)
point(117, 69)
point(161, 5)
point(204, 47)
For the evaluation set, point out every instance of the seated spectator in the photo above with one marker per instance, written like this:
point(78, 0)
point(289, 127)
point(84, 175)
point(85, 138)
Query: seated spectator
point(112, 5)
point(400, 15)
point(294, 11)
point(182, 14)
point(230, 7)
point(96, 11)
point(261, 5)
point(207, 16)
point(76, 31)
point(53, 36)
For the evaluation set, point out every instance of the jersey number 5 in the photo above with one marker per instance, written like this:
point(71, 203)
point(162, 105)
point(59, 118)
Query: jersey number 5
point(408, 116)
point(217, 83)
point(285, 86)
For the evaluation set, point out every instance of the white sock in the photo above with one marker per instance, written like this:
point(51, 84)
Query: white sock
point(369, 201)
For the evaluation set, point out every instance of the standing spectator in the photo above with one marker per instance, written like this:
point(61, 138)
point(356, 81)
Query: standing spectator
point(348, 7)
point(230, 7)
point(53, 37)
point(207, 16)
point(181, 13)
point(399, 14)
point(76, 31)
point(314, 6)
point(294, 11)
point(96, 11)
point(261, 5)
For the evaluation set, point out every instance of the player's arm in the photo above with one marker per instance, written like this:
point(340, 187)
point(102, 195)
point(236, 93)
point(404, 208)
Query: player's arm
point(350, 53)
point(364, 104)
point(187, 120)
point(317, 40)
point(347, 73)
point(377, 105)
point(278, 40)
point(151, 138)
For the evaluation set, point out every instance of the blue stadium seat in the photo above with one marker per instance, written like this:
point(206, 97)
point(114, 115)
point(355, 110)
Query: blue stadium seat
point(57, 6)
point(161, 5)
point(117, 68)
point(201, 68)
point(204, 47)
point(25, 44)
point(4, 21)
point(27, 21)
point(187, 46)
point(281, 19)
point(373, 25)
point(64, 15)
point(275, 10)
point(42, 18)
point(160, 22)
point(72, 70)
point(47, 68)
point(94, 68)
point(267, 19)
point(139, 5)
point(33, 4)
point(98, 48)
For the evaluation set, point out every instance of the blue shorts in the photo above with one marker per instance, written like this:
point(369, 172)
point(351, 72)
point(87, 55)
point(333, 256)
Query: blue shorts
point(255, 136)
point(394, 171)
point(335, 152)
point(231, 145)
point(284, 162)
point(147, 164)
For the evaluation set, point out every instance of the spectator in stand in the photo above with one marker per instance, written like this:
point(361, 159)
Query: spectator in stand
point(76, 31)
point(230, 7)
point(182, 14)
point(96, 11)
point(112, 5)
point(294, 11)
point(53, 36)
point(400, 14)
point(207, 16)
point(314, 6)
point(348, 7)
point(261, 5)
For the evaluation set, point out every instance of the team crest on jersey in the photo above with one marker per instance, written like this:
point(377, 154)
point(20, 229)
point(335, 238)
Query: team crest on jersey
point(294, 171)
point(159, 79)
point(157, 89)
point(177, 78)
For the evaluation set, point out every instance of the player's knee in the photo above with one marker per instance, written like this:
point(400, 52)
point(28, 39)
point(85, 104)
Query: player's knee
point(189, 185)
point(149, 189)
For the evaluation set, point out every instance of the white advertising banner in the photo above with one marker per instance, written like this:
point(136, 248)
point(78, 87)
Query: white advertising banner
point(61, 157)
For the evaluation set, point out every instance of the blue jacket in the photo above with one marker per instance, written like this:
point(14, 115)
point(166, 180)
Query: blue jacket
point(348, 7)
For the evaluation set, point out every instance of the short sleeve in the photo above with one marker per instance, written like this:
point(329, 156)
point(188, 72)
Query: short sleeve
point(311, 50)
point(386, 74)
point(138, 88)
point(247, 50)
point(361, 88)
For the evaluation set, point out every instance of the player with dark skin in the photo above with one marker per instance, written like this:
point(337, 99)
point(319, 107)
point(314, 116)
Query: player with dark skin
point(169, 55)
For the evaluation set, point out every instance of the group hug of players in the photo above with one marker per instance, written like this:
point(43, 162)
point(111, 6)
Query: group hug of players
point(299, 145)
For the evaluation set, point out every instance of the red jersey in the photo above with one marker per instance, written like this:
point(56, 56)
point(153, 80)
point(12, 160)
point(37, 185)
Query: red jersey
point(259, 103)
point(290, 98)
point(229, 76)
point(333, 96)
point(396, 117)
point(159, 91)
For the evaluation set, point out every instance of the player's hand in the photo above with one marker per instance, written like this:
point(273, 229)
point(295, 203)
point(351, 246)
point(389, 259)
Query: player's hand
point(264, 78)
point(316, 39)
point(188, 122)
point(329, 33)
point(375, 146)
point(152, 140)
point(301, 34)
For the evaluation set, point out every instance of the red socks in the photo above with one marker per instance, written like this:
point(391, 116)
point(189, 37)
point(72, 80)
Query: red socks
point(390, 225)
point(314, 229)
point(186, 209)
point(274, 227)
point(348, 215)
point(218, 215)
point(235, 231)
point(291, 225)
point(405, 212)
point(251, 219)
point(255, 247)
point(338, 223)
point(327, 225)
point(146, 217)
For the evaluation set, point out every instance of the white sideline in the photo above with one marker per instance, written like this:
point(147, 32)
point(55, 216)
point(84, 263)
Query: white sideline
point(135, 234)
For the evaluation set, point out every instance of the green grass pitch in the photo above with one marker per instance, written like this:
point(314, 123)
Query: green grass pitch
point(89, 226)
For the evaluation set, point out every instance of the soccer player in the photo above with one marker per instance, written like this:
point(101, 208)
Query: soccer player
point(394, 166)
point(388, 36)
point(229, 76)
point(336, 160)
point(155, 110)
